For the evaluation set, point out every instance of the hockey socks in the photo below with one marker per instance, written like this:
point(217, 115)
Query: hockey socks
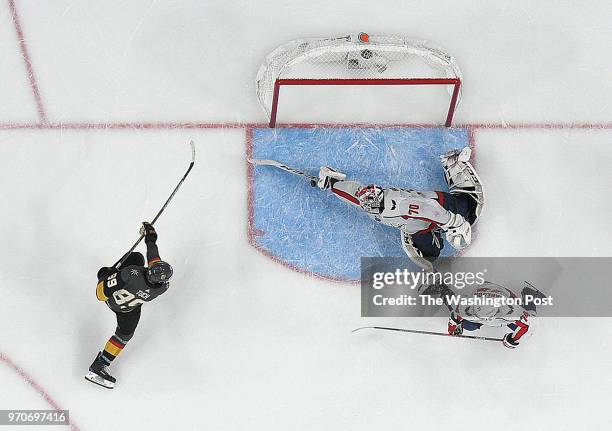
point(114, 346)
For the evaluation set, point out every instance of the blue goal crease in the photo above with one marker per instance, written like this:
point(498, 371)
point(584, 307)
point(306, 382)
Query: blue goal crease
point(315, 231)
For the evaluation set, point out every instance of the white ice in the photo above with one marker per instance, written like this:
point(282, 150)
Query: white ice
point(241, 342)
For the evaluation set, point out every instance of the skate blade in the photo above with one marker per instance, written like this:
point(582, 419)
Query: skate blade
point(94, 378)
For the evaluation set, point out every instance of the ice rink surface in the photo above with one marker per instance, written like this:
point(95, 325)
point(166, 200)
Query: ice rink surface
point(306, 228)
point(93, 136)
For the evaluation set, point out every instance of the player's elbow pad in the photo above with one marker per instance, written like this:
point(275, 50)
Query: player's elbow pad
point(100, 292)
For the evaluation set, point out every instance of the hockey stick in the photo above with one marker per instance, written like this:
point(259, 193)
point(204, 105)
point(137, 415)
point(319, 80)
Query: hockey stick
point(414, 331)
point(118, 264)
point(279, 165)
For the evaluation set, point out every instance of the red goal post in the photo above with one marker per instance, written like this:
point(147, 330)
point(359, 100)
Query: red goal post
point(356, 60)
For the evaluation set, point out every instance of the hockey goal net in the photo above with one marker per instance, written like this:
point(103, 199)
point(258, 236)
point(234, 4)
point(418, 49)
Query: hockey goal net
point(357, 60)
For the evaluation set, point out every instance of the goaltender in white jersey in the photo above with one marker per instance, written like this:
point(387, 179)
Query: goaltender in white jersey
point(420, 216)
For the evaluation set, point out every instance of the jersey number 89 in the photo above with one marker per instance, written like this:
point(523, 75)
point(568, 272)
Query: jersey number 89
point(122, 297)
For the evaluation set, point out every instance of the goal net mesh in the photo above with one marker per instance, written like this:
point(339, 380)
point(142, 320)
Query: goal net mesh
point(359, 57)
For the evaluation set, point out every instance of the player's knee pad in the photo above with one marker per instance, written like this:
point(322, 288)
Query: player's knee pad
point(123, 336)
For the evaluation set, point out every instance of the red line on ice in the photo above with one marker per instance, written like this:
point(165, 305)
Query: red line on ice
point(37, 387)
point(42, 115)
point(252, 232)
point(127, 126)
point(203, 125)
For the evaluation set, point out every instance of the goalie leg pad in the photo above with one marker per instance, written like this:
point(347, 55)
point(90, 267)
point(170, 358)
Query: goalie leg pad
point(461, 177)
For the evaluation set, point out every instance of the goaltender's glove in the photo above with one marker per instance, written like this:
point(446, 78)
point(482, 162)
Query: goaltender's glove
point(458, 231)
point(328, 176)
point(455, 324)
point(148, 231)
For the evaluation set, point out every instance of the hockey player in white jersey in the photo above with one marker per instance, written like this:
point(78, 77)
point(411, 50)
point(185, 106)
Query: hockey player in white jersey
point(493, 305)
point(420, 216)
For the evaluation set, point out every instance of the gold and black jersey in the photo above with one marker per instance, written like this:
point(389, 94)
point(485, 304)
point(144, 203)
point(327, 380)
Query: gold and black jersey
point(128, 288)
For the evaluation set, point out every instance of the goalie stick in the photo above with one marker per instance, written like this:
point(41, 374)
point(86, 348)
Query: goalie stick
point(118, 264)
point(414, 331)
point(263, 162)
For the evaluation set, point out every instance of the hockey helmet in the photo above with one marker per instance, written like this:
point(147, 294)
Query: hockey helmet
point(159, 272)
point(371, 198)
point(485, 307)
point(485, 311)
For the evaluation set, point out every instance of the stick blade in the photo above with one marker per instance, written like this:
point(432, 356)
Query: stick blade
point(193, 151)
point(363, 327)
point(262, 162)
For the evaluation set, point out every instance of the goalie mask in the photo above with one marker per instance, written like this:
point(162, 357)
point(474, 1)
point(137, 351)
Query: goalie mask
point(159, 273)
point(371, 199)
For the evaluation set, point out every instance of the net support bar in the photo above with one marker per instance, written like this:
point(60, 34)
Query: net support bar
point(408, 81)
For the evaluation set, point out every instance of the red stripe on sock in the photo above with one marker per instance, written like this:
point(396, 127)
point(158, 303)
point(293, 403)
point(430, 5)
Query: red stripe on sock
point(116, 343)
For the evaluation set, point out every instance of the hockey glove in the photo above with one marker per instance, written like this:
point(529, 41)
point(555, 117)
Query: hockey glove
point(455, 324)
point(520, 327)
point(328, 176)
point(458, 231)
point(509, 342)
point(148, 231)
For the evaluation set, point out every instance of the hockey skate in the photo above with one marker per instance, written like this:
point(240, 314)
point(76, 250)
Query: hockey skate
point(461, 177)
point(98, 373)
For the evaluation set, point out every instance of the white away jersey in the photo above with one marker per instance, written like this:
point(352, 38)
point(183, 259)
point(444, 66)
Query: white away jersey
point(409, 210)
